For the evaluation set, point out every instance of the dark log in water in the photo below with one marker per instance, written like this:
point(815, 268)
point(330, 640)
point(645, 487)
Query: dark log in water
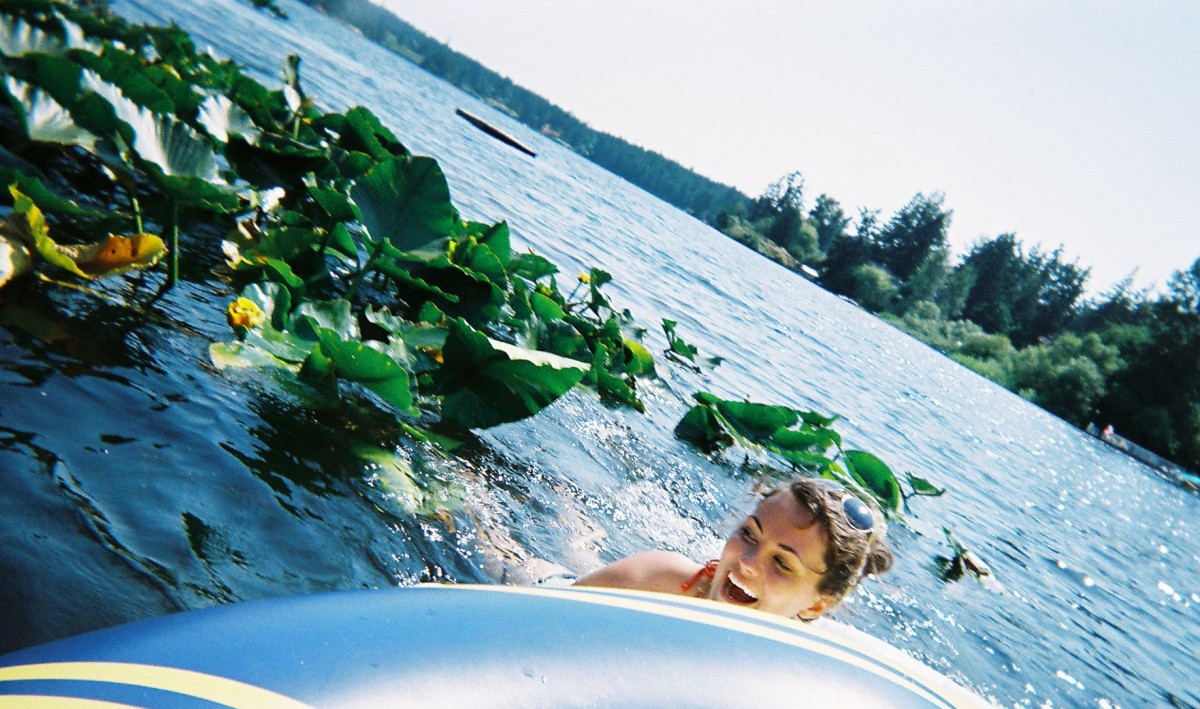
point(494, 132)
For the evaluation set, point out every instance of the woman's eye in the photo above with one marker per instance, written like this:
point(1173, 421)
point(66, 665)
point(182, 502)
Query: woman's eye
point(748, 535)
point(783, 565)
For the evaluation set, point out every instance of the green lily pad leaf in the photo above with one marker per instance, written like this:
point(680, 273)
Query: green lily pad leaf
point(280, 272)
point(431, 314)
point(285, 346)
point(340, 240)
point(797, 440)
point(612, 387)
point(532, 267)
point(405, 485)
point(171, 146)
point(702, 426)
point(561, 338)
point(44, 119)
point(921, 486)
point(813, 462)
point(359, 363)
point(411, 283)
point(676, 343)
point(58, 76)
point(497, 239)
point(406, 201)
point(336, 205)
point(545, 307)
point(127, 73)
point(478, 258)
point(639, 361)
point(277, 161)
point(351, 164)
point(486, 383)
point(244, 355)
point(755, 422)
point(417, 346)
point(394, 475)
point(876, 477)
point(318, 372)
point(18, 38)
point(814, 419)
point(220, 117)
point(366, 134)
point(333, 315)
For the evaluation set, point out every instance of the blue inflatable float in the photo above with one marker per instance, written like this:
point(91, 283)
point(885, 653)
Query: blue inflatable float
point(473, 646)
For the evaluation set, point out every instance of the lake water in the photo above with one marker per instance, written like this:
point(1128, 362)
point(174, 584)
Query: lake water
point(136, 480)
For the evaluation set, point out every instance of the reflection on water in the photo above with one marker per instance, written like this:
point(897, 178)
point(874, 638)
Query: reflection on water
point(136, 479)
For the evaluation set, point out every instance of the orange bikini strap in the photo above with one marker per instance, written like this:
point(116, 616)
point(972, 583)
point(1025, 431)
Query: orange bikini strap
point(708, 571)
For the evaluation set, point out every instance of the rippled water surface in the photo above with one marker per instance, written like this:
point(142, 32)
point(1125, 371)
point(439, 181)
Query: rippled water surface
point(135, 479)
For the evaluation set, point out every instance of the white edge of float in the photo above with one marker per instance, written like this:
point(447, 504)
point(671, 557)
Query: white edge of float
point(829, 637)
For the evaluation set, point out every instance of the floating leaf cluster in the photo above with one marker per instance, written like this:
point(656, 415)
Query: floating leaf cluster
point(355, 265)
point(804, 439)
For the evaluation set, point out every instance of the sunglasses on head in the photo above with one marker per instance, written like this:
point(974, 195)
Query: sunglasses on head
point(856, 512)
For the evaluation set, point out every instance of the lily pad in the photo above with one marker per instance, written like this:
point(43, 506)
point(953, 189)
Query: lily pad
point(874, 475)
point(406, 200)
point(485, 383)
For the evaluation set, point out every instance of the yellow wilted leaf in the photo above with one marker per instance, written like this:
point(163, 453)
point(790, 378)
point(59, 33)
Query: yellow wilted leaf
point(116, 254)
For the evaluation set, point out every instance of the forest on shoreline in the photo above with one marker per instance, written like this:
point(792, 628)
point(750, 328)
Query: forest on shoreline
point(1015, 314)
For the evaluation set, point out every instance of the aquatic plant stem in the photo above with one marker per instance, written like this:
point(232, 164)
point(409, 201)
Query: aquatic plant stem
point(173, 272)
point(137, 214)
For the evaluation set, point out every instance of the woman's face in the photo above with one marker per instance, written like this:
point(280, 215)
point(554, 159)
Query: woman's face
point(775, 560)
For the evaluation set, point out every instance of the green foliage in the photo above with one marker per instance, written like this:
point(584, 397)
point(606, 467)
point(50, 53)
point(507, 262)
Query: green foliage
point(1024, 296)
point(803, 439)
point(873, 287)
point(337, 219)
point(912, 236)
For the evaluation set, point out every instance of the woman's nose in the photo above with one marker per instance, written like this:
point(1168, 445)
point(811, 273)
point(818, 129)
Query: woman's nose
point(749, 562)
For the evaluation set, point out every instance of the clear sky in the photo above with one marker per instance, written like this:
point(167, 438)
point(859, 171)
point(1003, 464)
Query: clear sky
point(1072, 123)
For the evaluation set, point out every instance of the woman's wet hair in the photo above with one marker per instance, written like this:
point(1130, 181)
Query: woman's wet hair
point(852, 552)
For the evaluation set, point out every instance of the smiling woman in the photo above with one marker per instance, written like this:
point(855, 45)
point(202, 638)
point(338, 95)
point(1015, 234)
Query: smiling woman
point(800, 553)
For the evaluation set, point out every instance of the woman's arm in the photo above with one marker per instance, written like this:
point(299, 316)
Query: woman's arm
point(661, 571)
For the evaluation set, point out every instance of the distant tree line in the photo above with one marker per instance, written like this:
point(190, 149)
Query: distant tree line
point(1014, 314)
point(666, 179)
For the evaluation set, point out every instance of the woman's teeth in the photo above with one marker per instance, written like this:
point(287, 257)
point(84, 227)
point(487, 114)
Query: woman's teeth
point(738, 593)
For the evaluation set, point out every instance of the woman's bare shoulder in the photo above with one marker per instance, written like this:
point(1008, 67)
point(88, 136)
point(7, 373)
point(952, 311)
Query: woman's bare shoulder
point(660, 571)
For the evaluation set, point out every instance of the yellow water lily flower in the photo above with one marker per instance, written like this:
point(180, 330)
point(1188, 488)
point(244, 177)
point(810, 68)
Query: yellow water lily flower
point(585, 278)
point(244, 312)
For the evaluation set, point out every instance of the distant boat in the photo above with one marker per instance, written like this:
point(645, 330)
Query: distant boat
point(1161, 465)
point(494, 132)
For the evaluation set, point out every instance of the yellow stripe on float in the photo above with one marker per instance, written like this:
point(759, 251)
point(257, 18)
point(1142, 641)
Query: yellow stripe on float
point(212, 688)
point(29, 701)
point(647, 602)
